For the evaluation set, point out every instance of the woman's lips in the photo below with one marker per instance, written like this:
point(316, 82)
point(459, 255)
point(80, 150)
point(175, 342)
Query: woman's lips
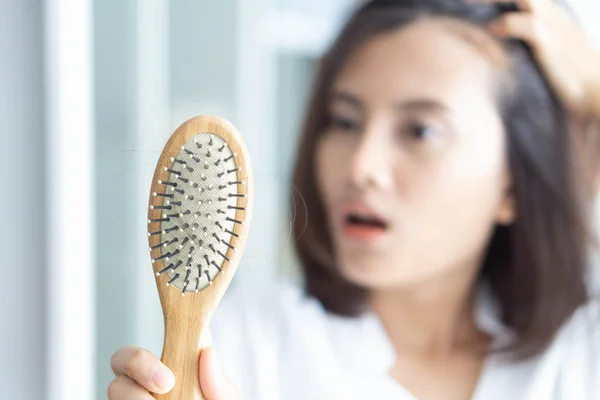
point(361, 222)
point(364, 233)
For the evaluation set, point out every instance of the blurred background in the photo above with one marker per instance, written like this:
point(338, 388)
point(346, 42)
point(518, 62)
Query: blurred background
point(89, 93)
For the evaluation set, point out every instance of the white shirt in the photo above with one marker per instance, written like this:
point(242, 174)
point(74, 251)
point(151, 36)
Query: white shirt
point(278, 344)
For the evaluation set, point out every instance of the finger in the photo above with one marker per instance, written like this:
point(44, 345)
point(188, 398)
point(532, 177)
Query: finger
point(144, 368)
point(212, 382)
point(123, 388)
point(517, 26)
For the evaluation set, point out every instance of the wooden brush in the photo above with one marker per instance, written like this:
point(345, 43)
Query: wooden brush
point(199, 214)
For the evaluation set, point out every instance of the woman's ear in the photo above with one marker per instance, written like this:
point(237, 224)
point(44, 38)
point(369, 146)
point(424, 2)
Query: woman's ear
point(507, 208)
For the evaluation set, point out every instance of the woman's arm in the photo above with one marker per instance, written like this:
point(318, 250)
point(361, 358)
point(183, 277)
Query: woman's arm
point(565, 53)
point(571, 64)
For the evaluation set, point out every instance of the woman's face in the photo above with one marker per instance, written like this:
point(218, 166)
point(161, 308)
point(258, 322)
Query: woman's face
point(412, 168)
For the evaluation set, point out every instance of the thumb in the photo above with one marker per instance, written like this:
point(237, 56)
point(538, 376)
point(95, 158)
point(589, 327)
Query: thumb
point(214, 385)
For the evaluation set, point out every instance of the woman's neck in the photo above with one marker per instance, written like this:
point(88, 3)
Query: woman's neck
point(431, 318)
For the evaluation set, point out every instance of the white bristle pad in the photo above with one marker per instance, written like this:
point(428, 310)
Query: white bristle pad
point(194, 236)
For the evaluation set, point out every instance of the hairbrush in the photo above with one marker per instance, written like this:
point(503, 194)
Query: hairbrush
point(198, 219)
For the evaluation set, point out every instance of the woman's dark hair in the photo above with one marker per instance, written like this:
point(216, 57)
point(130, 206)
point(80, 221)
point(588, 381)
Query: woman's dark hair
point(536, 267)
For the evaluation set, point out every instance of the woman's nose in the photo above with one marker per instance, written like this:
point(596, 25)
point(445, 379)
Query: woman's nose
point(371, 162)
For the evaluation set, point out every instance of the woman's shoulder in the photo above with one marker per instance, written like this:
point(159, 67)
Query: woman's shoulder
point(582, 330)
point(255, 329)
point(269, 309)
point(266, 301)
point(573, 358)
point(579, 344)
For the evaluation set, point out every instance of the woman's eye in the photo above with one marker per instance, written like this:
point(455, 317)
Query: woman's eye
point(419, 131)
point(345, 124)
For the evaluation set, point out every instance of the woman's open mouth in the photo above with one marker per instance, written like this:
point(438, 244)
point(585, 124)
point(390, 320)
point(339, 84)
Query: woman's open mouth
point(360, 222)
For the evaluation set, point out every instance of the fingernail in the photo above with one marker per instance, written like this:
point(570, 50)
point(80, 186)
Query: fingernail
point(163, 378)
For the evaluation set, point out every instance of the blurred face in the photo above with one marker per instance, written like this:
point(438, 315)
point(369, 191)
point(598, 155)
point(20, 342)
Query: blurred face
point(412, 168)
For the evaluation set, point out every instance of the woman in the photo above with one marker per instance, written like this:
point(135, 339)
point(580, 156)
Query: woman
point(446, 176)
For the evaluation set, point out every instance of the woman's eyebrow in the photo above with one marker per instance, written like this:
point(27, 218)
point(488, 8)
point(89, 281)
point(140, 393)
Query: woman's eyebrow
point(415, 104)
point(422, 104)
point(347, 98)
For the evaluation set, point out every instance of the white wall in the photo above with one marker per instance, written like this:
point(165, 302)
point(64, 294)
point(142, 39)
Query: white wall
point(22, 325)
point(116, 173)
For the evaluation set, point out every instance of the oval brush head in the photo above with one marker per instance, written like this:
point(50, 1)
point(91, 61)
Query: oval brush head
point(199, 214)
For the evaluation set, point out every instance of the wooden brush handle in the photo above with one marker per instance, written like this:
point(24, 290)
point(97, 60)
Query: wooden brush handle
point(181, 351)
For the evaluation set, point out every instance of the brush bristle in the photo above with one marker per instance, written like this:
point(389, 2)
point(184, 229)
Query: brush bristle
point(195, 212)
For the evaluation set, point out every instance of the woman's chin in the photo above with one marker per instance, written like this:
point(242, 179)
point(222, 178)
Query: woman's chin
point(377, 275)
